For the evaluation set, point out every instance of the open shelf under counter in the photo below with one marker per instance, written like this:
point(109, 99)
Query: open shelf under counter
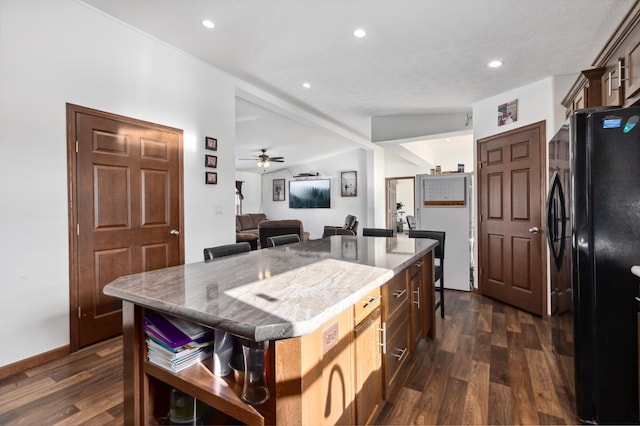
point(222, 393)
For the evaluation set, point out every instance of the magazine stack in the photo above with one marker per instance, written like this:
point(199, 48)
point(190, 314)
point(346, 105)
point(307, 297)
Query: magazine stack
point(176, 344)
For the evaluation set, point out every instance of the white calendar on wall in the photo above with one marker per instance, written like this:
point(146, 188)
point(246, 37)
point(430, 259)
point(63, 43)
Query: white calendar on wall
point(445, 191)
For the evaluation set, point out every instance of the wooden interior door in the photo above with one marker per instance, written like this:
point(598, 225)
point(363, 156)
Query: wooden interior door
point(511, 190)
point(392, 210)
point(127, 211)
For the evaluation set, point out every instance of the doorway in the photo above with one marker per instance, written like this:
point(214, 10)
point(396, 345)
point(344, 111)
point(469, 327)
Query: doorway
point(511, 194)
point(400, 202)
point(125, 211)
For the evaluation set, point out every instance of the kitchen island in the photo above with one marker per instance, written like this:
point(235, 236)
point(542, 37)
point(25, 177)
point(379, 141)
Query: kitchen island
point(341, 316)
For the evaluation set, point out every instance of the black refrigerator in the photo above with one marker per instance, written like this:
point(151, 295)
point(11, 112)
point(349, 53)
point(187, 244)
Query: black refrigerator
point(603, 202)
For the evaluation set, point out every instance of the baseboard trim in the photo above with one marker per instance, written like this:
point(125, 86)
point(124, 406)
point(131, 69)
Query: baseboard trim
point(34, 361)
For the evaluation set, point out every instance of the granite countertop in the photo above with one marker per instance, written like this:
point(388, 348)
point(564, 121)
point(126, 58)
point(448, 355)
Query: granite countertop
point(274, 293)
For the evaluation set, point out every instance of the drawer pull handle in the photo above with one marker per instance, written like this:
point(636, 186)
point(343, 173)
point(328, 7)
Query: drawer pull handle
point(637, 299)
point(417, 293)
point(418, 264)
point(399, 293)
point(383, 338)
point(400, 354)
point(371, 301)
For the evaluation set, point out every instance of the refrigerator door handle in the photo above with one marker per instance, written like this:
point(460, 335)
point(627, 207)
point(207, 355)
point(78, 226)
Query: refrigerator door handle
point(555, 190)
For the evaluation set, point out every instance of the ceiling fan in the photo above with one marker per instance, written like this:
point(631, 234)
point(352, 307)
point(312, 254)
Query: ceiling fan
point(263, 160)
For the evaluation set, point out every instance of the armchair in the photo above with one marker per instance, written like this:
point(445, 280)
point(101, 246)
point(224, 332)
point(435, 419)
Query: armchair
point(350, 227)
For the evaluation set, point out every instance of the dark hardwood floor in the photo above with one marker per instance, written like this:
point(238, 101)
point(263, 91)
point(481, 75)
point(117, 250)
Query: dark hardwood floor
point(489, 364)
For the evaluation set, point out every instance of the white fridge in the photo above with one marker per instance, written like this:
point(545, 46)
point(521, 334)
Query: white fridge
point(443, 203)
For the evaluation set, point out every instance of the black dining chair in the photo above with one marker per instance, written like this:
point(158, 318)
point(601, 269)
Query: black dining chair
point(280, 240)
point(438, 254)
point(226, 250)
point(377, 232)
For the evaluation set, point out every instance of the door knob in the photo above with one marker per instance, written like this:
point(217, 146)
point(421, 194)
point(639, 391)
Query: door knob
point(534, 230)
point(174, 232)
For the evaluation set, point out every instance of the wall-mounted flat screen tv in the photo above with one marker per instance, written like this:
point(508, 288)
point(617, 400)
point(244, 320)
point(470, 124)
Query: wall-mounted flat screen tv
point(310, 194)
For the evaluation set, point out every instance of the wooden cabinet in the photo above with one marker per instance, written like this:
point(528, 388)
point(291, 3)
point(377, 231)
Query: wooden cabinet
point(416, 278)
point(339, 374)
point(586, 92)
point(632, 69)
point(612, 84)
point(396, 330)
point(615, 77)
point(368, 368)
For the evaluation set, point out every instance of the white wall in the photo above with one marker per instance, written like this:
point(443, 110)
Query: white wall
point(251, 189)
point(314, 220)
point(538, 101)
point(52, 53)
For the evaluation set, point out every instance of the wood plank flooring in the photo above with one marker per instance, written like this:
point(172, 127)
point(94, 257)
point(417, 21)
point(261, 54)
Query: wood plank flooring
point(489, 364)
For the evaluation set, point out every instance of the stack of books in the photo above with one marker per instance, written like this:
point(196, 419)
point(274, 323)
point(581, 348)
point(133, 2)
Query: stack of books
point(176, 344)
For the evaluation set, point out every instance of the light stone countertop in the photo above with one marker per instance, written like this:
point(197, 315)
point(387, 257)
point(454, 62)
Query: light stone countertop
point(274, 293)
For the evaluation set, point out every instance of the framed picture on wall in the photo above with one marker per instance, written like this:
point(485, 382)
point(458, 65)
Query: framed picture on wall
point(349, 184)
point(210, 161)
point(211, 143)
point(211, 178)
point(278, 190)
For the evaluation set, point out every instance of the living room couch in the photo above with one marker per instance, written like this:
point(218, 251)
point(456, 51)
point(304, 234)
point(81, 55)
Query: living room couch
point(247, 228)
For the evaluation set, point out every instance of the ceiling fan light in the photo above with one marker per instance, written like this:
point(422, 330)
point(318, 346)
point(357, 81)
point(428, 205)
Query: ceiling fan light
point(266, 163)
point(259, 163)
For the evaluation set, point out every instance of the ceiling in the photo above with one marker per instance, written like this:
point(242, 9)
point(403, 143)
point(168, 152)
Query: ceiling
point(418, 57)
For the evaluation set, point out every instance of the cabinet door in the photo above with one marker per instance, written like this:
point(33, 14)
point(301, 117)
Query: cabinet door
point(632, 70)
point(612, 88)
point(417, 307)
point(368, 369)
point(397, 352)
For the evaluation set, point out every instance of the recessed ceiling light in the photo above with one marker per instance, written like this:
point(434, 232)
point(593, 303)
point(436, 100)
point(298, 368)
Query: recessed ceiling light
point(306, 85)
point(207, 23)
point(495, 64)
point(359, 33)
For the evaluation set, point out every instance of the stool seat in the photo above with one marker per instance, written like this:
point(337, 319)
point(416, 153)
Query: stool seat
point(252, 239)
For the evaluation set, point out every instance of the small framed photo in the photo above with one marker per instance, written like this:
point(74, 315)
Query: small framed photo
point(210, 161)
point(211, 178)
point(349, 184)
point(211, 143)
point(278, 190)
point(508, 113)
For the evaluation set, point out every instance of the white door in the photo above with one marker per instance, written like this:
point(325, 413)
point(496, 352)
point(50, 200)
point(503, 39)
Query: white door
point(443, 204)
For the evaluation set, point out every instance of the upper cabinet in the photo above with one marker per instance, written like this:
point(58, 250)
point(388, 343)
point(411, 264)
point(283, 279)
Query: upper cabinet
point(614, 79)
point(632, 69)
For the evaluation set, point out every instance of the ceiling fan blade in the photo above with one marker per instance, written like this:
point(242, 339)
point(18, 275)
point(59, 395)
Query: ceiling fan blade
point(276, 160)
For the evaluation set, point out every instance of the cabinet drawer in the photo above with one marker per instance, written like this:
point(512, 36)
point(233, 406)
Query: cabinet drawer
point(415, 269)
point(397, 353)
point(396, 294)
point(364, 307)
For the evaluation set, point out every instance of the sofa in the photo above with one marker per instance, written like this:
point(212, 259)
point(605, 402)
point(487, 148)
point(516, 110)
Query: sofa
point(270, 228)
point(247, 228)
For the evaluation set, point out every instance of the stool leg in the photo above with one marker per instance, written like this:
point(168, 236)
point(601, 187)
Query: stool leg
point(441, 297)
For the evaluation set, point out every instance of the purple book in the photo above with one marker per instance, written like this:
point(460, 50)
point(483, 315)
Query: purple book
point(164, 330)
